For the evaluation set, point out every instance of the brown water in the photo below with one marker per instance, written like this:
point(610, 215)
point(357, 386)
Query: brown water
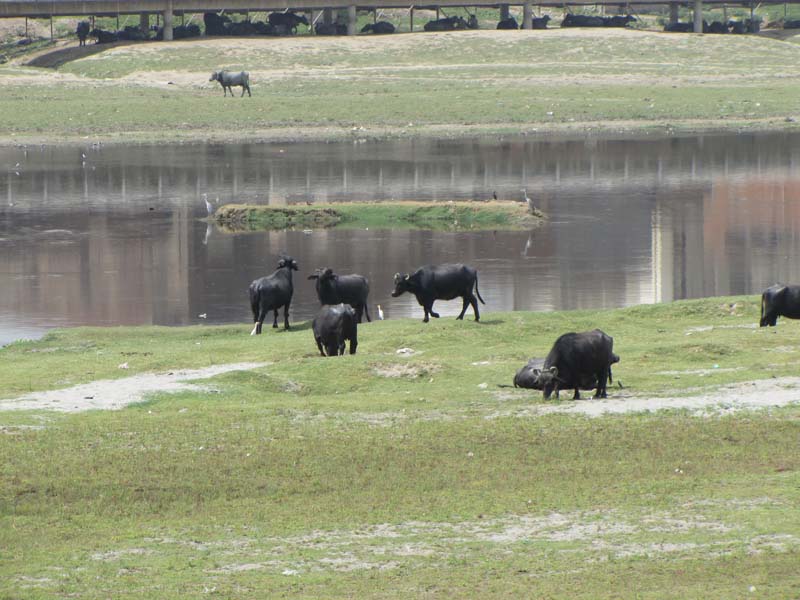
point(112, 236)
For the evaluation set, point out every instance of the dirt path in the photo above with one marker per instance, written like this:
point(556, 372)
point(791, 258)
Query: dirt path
point(113, 394)
point(761, 394)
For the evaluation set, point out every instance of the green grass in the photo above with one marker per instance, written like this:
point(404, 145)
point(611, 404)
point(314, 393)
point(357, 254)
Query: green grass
point(422, 84)
point(450, 216)
point(317, 477)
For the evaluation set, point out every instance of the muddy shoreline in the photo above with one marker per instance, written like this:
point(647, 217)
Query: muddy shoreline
point(534, 132)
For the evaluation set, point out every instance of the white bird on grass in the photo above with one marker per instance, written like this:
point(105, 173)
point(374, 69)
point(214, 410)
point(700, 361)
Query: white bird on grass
point(380, 313)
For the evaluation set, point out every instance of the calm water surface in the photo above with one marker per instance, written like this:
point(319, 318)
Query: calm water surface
point(113, 236)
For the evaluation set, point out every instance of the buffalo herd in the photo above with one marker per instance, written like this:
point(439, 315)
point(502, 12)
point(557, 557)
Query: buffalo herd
point(576, 361)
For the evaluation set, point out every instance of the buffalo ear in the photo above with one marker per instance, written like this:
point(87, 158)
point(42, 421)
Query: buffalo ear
point(396, 277)
point(554, 371)
point(407, 277)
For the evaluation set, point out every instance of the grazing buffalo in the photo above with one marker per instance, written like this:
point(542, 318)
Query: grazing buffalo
point(288, 20)
point(779, 301)
point(82, 31)
point(571, 20)
point(440, 282)
point(509, 23)
point(618, 21)
point(271, 292)
point(529, 376)
point(230, 80)
point(576, 359)
point(381, 27)
point(334, 325)
point(337, 289)
point(679, 27)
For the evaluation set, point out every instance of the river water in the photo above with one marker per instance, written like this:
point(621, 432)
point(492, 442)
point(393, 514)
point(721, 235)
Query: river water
point(112, 235)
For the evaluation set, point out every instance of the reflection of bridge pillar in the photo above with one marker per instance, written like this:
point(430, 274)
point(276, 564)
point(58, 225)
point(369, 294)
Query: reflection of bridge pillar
point(698, 16)
point(662, 253)
point(527, 16)
point(144, 22)
point(673, 12)
point(168, 22)
point(351, 19)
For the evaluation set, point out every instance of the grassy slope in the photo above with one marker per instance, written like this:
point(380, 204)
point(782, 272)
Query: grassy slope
point(418, 84)
point(278, 483)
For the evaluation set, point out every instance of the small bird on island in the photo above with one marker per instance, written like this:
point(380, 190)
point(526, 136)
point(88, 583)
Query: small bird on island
point(494, 195)
point(209, 206)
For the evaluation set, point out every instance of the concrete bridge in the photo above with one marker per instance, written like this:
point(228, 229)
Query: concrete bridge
point(168, 8)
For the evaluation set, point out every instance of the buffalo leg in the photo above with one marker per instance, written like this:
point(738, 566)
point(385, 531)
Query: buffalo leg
point(259, 321)
point(275, 320)
point(435, 315)
point(474, 301)
point(285, 317)
point(319, 345)
point(602, 377)
point(464, 305)
point(577, 394)
point(353, 343)
point(359, 308)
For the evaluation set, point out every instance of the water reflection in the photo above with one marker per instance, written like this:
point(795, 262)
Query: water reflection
point(111, 235)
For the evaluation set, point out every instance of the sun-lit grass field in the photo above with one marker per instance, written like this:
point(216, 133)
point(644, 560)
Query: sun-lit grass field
point(407, 474)
point(446, 84)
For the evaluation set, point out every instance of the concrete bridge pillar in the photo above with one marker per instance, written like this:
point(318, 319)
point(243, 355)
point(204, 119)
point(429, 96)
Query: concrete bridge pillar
point(673, 12)
point(168, 22)
point(351, 19)
point(698, 16)
point(527, 16)
point(327, 16)
point(144, 22)
point(504, 14)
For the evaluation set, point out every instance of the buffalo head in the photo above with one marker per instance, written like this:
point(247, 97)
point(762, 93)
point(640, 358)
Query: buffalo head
point(215, 76)
point(546, 380)
point(401, 284)
point(288, 261)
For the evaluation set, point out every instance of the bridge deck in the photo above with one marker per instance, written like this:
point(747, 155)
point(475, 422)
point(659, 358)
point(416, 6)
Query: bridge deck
point(55, 8)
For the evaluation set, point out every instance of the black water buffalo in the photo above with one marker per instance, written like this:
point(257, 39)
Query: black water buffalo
point(618, 21)
point(337, 289)
point(215, 24)
point(271, 292)
point(529, 376)
point(717, 27)
point(330, 29)
point(440, 282)
point(288, 20)
point(779, 301)
point(446, 24)
point(334, 325)
point(679, 27)
point(381, 27)
point(230, 80)
point(82, 31)
point(509, 23)
point(104, 37)
point(540, 22)
point(574, 360)
point(582, 21)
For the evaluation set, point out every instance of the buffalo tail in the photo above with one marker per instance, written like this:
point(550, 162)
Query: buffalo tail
point(477, 291)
